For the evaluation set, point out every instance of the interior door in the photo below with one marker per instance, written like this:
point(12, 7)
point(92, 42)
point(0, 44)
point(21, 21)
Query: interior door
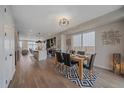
point(9, 53)
point(8, 61)
point(9, 46)
point(12, 51)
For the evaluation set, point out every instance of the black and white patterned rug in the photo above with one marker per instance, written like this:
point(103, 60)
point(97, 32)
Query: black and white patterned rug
point(86, 82)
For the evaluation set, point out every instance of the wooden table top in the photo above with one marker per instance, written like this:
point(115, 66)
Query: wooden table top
point(79, 58)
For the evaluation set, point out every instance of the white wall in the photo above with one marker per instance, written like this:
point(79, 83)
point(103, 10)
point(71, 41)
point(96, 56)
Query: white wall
point(63, 42)
point(104, 53)
point(60, 41)
point(1, 47)
point(6, 68)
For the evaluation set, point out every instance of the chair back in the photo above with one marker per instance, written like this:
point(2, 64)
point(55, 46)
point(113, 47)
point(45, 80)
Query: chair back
point(59, 57)
point(72, 52)
point(91, 62)
point(66, 59)
point(81, 52)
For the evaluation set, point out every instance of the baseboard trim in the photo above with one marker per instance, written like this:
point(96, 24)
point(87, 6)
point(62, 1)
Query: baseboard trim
point(103, 68)
point(13, 74)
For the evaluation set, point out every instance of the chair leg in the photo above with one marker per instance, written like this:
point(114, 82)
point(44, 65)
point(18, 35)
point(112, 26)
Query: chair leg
point(60, 68)
point(57, 65)
point(91, 73)
point(66, 71)
point(69, 70)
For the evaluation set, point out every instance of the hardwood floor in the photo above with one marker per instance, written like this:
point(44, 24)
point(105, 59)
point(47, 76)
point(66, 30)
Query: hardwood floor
point(32, 74)
point(108, 79)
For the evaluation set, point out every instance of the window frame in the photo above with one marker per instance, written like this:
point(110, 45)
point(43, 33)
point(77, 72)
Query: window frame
point(82, 39)
point(89, 32)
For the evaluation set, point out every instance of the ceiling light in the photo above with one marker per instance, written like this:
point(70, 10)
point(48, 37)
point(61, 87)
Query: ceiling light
point(38, 35)
point(64, 21)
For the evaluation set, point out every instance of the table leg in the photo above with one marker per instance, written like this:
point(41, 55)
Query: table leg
point(120, 69)
point(81, 70)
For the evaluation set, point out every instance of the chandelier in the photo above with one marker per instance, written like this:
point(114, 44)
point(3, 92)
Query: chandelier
point(63, 21)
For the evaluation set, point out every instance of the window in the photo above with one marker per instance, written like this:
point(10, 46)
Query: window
point(84, 42)
point(89, 39)
point(89, 42)
point(32, 45)
point(77, 40)
point(20, 44)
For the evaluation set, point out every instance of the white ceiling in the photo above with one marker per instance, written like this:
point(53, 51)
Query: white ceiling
point(32, 19)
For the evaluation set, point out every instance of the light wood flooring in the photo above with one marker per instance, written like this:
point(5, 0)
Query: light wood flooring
point(32, 74)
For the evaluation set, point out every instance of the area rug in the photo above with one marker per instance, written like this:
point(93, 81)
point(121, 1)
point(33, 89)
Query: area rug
point(86, 82)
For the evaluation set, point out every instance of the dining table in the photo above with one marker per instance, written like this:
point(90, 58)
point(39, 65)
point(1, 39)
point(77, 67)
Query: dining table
point(80, 60)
